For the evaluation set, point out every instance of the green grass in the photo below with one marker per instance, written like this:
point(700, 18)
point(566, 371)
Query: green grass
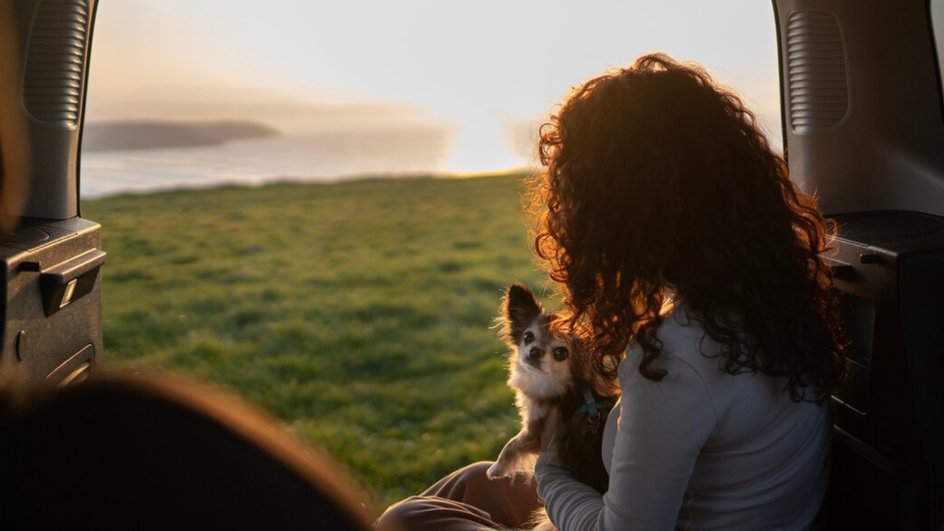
point(357, 313)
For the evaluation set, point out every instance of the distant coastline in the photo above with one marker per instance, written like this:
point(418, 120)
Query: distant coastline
point(156, 134)
point(328, 155)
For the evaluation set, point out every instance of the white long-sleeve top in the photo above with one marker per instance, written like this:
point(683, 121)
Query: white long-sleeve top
point(701, 449)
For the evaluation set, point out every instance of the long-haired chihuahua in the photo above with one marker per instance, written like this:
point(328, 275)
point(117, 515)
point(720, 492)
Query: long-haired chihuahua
point(549, 368)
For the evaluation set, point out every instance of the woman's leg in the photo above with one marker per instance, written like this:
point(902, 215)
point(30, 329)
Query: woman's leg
point(466, 500)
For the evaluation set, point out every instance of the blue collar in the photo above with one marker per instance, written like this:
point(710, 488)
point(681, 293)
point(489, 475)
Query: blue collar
point(591, 406)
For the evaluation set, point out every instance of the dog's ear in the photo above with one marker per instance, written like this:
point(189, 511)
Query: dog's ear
point(519, 309)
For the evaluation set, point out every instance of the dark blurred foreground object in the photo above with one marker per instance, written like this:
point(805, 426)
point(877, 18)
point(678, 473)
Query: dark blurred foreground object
point(864, 129)
point(145, 453)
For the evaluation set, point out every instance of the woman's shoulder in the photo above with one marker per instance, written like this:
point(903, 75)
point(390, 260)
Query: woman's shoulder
point(683, 340)
point(690, 353)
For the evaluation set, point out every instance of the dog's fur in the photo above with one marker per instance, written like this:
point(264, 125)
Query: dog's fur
point(549, 368)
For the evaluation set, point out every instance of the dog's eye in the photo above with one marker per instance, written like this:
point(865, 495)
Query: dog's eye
point(528, 338)
point(560, 353)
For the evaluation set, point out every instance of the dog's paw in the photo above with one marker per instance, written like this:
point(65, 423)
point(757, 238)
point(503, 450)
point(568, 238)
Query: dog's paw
point(496, 471)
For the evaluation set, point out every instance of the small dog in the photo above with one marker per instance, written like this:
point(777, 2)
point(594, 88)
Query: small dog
point(549, 368)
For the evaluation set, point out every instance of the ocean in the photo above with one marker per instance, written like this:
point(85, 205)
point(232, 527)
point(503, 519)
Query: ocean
point(313, 156)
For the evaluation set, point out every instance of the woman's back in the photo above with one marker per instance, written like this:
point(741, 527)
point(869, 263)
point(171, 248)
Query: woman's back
point(745, 455)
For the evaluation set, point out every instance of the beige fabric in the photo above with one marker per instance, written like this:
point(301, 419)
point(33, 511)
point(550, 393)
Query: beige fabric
point(465, 500)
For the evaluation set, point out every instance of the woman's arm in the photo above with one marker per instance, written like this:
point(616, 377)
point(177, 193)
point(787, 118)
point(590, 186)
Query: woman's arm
point(661, 429)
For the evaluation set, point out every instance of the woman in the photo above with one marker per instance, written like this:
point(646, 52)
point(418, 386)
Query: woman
point(694, 268)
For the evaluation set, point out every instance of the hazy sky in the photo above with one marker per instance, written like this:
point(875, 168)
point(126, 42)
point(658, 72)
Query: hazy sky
point(482, 66)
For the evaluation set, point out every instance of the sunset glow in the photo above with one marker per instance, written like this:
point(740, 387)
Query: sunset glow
point(487, 71)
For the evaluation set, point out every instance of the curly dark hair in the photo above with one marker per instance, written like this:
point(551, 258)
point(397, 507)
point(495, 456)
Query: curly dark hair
point(658, 179)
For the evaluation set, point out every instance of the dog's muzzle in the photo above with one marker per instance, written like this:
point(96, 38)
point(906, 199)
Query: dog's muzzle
point(534, 357)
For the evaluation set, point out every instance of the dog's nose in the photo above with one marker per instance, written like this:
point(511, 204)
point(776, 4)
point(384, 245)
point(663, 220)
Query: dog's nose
point(535, 353)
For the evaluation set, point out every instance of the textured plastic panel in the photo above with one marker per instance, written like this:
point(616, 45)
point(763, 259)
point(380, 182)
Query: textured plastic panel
point(816, 71)
point(49, 347)
point(862, 104)
point(884, 227)
point(888, 471)
point(52, 89)
point(937, 28)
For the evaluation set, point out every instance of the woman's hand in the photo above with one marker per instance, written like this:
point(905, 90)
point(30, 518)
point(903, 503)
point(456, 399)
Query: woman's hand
point(549, 433)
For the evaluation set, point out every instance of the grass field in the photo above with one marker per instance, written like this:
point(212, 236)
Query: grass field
point(357, 313)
